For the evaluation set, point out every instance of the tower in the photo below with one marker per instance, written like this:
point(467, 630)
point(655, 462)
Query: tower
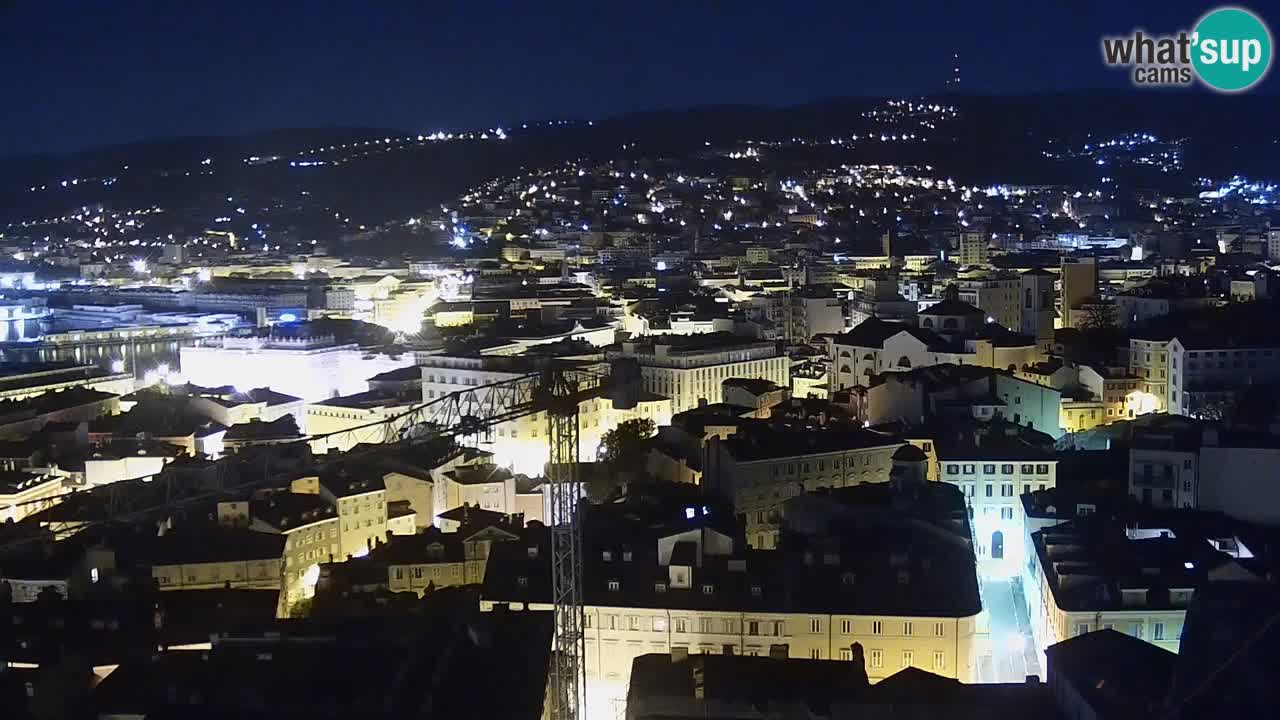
point(953, 83)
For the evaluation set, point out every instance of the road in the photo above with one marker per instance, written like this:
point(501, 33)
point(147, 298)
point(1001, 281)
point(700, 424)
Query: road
point(1013, 654)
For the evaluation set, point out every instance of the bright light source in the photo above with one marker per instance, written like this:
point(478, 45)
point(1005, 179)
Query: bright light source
point(662, 265)
point(288, 317)
point(311, 576)
point(139, 266)
point(360, 553)
point(1189, 565)
point(117, 366)
point(689, 513)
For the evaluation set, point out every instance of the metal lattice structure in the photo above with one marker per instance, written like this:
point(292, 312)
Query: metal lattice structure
point(568, 669)
point(467, 416)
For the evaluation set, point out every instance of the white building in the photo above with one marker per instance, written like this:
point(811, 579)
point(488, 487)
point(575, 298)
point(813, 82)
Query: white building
point(309, 368)
point(690, 369)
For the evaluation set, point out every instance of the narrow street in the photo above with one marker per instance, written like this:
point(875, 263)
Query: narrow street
point(1011, 652)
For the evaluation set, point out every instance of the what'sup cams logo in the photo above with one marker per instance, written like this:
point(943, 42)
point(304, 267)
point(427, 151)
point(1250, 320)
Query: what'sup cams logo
point(1229, 50)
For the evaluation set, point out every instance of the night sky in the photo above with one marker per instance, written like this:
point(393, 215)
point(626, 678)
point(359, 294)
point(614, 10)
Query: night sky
point(84, 73)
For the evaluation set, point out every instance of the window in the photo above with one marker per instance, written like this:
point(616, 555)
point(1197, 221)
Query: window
point(989, 469)
point(753, 627)
point(1157, 631)
point(846, 626)
point(1082, 628)
point(708, 589)
point(1006, 469)
point(659, 624)
point(729, 626)
point(908, 658)
point(523, 581)
point(1006, 513)
point(968, 469)
point(682, 625)
point(1006, 490)
point(659, 587)
point(990, 489)
point(877, 627)
point(907, 628)
point(953, 469)
point(1042, 469)
point(815, 654)
point(815, 625)
point(614, 585)
point(846, 654)
point(1028, 469)
point(877, 658)
point(939, 660)
point(633, 622)
point(1135, 629)
point(938, 629)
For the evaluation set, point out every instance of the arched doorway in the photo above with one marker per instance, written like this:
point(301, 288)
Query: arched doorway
point(997, 545)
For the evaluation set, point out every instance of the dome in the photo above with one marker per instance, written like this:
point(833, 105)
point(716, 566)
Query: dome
point(909, 453)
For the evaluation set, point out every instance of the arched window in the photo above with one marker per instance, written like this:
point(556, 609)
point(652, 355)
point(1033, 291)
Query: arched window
point(845, 369)
point(928, 322)
point(904, 362)
point(949, 324)
point(845, 354)
point(869, 358)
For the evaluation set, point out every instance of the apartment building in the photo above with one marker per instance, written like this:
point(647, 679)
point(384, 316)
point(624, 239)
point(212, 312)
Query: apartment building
point(762, 466)
point(693, 588)
point(689, 369)
point(1091, 574)
point(1177, 462)
point(521, 444)
point(310, 526)
point(361, 501)
point(992, 466)
point(215, 558)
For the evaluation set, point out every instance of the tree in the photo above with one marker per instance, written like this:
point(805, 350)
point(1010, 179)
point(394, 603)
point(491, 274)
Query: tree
point(625, 444)
point(622, 451)
point(1098, 315)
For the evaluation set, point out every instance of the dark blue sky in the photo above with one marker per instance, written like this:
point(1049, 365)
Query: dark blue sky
point(82, 73)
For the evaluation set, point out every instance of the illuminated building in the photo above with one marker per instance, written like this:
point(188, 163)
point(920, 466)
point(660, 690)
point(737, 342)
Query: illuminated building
point(760, 468)
point(24, 493)
point(361, 501)
point(521, 444)
point(310, 526)
point(993, 468)
point(1079, 280)
point(309, 368)
point(360, 410)
point(215, 558)
point(690, 369)
point(19, 382)
point(1089, 574)
point(876, 346)
point(688, 585)
point(973, 248)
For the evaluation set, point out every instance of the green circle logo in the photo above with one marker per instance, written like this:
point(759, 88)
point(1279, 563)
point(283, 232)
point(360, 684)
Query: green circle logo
point(1232, 49)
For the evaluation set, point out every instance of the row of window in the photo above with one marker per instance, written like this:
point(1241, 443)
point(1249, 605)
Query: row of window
point(1135, 629)
point(836, 464)
point(774, 628)
point(990, 469)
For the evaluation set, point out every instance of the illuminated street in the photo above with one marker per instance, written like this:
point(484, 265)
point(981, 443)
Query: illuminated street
point(1012, 656)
